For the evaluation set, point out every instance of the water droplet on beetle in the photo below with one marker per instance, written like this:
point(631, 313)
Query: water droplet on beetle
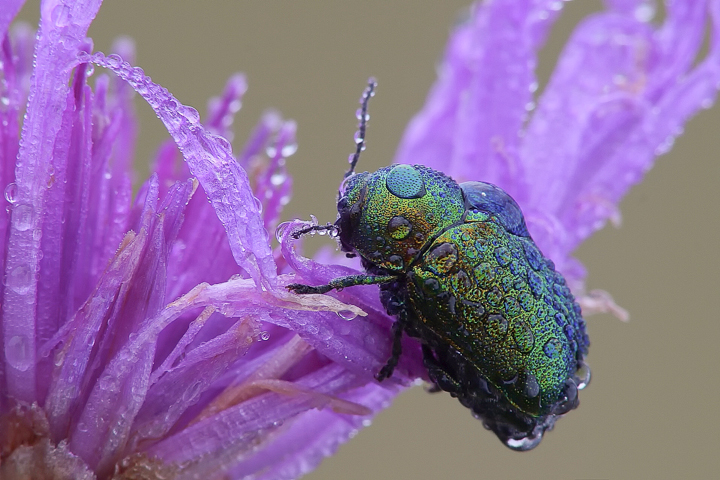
point(522, 444)
point(583, 376)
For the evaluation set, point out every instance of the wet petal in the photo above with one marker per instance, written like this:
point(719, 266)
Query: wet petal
point(210, 159)
point(469, 127)
point(47, 102)
point(619, 95)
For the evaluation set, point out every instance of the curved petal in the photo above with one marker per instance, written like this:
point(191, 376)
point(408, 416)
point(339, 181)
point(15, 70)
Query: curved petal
point(210, 159)
point(470, 124)
point(62, 32)
point(619, 95)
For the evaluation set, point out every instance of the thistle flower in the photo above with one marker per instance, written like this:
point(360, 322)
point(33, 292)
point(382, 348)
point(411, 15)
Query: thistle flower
point(153, 336)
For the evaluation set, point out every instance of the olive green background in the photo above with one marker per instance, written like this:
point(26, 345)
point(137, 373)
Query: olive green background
point(651, 410)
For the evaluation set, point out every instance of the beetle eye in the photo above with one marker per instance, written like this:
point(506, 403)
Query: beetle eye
point(349, 182)
point(405, 181)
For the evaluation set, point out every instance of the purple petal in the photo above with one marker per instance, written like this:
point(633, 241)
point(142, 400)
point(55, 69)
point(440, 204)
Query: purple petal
point(366, 342)
point(470, 123)
point(180, 387)
point(619, 95)
point(222, 110)
point(8, 10)
point(314, 435)
point(228, 437)
point(48, 93)
point(210, 159)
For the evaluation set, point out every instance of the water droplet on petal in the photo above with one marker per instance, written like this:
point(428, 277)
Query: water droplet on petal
point(22, 217)
point(289, 149)
point(347, 314)
point(19, 279)
point(278, 179)
point(18, 352)
point(11, 193)
point(644, 12)
point(281, 230)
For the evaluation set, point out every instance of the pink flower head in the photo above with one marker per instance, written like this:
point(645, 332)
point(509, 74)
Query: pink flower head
point(155, 333)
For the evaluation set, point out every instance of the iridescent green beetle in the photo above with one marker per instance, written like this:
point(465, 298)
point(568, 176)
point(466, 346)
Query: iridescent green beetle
point(458, 269)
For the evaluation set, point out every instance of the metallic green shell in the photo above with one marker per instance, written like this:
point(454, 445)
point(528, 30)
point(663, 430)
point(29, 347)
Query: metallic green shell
point(397, 209)
point(500, 304)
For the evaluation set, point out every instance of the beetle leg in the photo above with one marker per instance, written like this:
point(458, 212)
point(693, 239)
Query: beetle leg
point(441, 379)
point(397, 330)
point(340, 283)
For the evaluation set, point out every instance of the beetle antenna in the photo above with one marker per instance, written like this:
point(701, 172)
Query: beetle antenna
point(363, 118)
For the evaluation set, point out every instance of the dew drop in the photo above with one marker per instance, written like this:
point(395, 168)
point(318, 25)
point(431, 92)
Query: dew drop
point(18, 353)
point(523, 337)
point(583, 376)
point(22, 217)
point(264, 336)
point(289, 149)
point(523, 444)
point(496, 326)
point(278, 179)
point(192, 391)
point(11, 193)
point(281, 230)
point(59, 359)
point(665, 146)
point(114, 61)
point(552, 348)
point(347, 314)
point(532, 388)
point(60, 15)
point(644, 12)
point(189, 113)
point(19, 279)
point(399, 228)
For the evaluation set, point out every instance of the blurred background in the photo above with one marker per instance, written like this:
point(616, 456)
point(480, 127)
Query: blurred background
point(651, 409)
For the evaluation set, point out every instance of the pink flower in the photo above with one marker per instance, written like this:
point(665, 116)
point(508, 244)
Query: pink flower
point(155, 332)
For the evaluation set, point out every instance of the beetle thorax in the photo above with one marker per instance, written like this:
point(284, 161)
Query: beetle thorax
point(388, 216)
